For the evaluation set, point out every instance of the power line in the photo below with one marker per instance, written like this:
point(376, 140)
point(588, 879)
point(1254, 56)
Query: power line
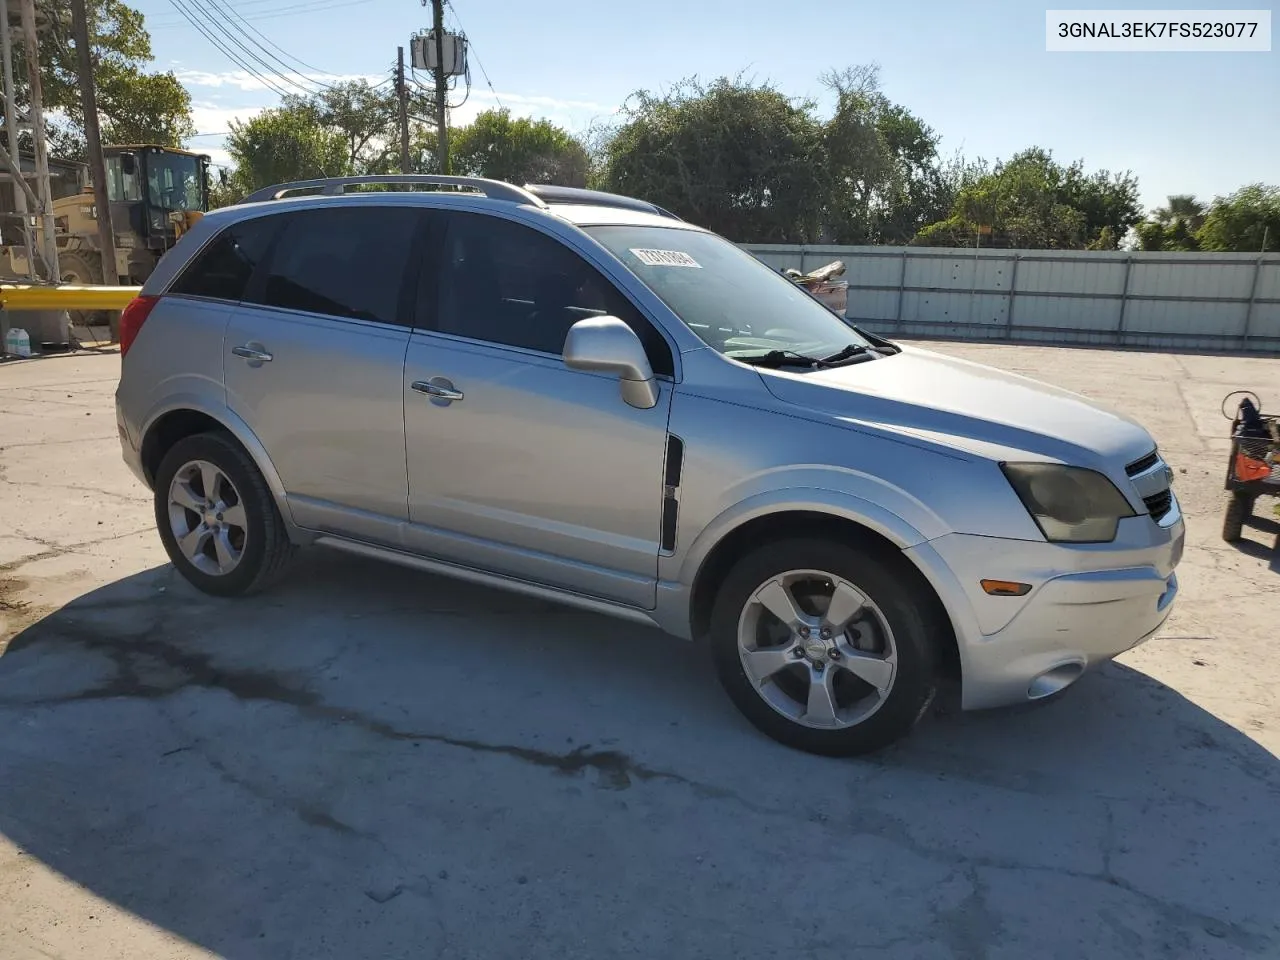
point(177, 5)
point(232, 33)
point(471, 47)
point(290, 10)
point(234, 13)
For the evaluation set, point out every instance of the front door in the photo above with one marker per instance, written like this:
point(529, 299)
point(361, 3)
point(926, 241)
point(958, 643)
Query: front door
point(518, 464)
point(314, 361)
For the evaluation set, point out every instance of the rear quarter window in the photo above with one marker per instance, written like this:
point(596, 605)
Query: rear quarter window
point(221, 271)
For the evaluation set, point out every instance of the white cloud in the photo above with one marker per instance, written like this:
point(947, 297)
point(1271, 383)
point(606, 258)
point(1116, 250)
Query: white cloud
point(212, 118)
point(569, 112)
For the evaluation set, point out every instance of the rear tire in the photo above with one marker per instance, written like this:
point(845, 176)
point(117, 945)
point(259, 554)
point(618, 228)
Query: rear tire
point(217, 518)
point(1239, 512)
point(877, 674)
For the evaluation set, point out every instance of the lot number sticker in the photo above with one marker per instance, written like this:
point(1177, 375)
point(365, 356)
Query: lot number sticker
point(666, 258)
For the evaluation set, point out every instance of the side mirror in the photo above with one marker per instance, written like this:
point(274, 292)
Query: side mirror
point(128, 164)
point(607, 345)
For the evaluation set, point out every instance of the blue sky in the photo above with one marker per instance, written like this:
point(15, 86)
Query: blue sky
point(977, 72)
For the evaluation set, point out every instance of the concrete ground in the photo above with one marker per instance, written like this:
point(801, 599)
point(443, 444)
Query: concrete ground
point(374, 763)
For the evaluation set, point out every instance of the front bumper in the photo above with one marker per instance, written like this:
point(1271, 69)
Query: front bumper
point(1088, 604)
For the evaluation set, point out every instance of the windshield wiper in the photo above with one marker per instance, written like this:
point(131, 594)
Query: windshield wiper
point(779, 358)
point(847, 353)
point(853, 353)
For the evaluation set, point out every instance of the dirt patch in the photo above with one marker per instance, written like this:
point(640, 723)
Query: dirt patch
point(9, 590)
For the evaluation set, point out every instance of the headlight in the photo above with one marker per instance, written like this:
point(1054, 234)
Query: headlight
point(1070, 504)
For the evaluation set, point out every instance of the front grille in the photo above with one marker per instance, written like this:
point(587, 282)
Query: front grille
point(1158, 504)
point(1146, 463)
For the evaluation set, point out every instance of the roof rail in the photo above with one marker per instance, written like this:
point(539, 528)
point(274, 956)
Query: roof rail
point(335, 186)
point(597, 198)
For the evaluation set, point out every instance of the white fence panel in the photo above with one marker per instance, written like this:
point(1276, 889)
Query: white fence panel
point(1198, 301)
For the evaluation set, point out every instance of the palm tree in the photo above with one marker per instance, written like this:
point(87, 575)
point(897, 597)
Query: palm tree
point(1183, 208)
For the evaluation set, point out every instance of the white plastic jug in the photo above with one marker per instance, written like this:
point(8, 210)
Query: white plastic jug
point(17, 342)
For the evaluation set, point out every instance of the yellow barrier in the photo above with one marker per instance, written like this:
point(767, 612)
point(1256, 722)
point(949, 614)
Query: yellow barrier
point(65, 297)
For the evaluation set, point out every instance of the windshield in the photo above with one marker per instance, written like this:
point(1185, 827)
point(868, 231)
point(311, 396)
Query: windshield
point(173, 181)
point(731, 300)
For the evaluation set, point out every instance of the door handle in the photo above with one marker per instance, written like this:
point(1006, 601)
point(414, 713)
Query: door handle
point(437, 387)
point(252, 353)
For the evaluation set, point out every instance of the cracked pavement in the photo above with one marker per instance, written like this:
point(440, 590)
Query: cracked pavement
point(372, 762)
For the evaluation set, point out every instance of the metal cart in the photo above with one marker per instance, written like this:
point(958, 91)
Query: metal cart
point(1253, 468)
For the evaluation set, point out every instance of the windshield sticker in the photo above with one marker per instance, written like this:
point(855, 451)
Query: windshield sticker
point(665, 258)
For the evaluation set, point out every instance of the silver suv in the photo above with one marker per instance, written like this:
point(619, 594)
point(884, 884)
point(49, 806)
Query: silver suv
point(580, 397)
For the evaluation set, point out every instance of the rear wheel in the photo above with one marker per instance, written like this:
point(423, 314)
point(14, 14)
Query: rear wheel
point(217, 518)
point(825, 648)
point(1239, 510)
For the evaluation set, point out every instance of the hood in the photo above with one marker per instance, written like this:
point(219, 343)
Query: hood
point(966, 406)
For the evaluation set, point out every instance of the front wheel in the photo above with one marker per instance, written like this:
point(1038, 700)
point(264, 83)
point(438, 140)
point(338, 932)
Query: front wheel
point(824, 647)
point(217, 518)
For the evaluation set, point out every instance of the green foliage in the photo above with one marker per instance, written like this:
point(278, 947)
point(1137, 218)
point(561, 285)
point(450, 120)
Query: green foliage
point(743, 160)
point(518, 150)
point(748, 161)
point(1174, 227)
point(353, 128)
point(1239, 223)
point(282, 144)
point(884, 179)
point(134, 105)
point(1032, 201)
point(363, 114)
point(1242, 221)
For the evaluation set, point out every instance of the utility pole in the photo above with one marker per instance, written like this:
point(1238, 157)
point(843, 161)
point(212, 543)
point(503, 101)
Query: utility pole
point(49, 241)
point(20, 186)
point(93, 138)
point(402, 98)
point(442, 88)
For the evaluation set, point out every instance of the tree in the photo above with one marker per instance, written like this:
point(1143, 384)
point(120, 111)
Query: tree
point(1244, 221)
point(1173, 227)
point(519, 151)
point(1031, 201)
point(363, 114)
point(885, 182)
point(743, 160)
point(282, 144)
point(134, 105)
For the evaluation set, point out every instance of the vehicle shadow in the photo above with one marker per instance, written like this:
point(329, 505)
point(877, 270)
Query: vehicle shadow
point(1255, 547)
point(371, 762)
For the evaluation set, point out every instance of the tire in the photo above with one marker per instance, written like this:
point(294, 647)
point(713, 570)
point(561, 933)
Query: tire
point(1239, 511)
point(256, 549)
point(899, 625)
point(82, 267)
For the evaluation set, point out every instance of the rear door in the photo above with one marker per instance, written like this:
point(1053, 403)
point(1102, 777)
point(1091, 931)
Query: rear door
point(314, 358)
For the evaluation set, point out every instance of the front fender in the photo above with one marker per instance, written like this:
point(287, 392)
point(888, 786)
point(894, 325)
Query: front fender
point(886, 515)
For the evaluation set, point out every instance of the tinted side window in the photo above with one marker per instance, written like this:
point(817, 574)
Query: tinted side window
point(222, 270)
point(507, 283)
point(344, 262)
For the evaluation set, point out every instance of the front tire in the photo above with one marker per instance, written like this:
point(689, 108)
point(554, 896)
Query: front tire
point(83, 268)
point(217, 518)
point(824, 647)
